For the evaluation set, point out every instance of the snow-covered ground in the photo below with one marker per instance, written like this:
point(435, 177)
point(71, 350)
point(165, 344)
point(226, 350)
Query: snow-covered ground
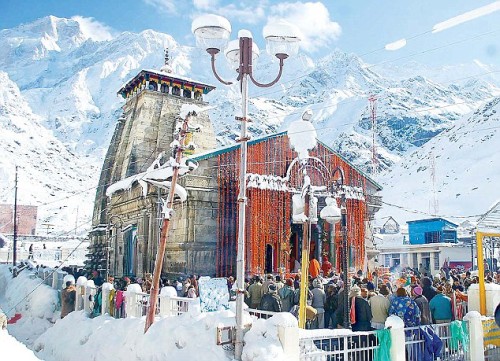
point(48, 253)
point(185, 337)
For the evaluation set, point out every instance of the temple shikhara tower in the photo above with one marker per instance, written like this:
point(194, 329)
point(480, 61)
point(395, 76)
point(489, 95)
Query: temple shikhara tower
point(126, 221)
point(203, 233)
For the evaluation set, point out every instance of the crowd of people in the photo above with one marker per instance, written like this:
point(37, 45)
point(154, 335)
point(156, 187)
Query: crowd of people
point(417, 298)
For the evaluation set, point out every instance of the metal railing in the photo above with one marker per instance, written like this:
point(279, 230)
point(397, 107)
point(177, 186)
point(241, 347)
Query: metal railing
point(260, 313)
point(491, 353)
point(416, 343)
point(355, 346)
point(175, 305)
point(179, 305)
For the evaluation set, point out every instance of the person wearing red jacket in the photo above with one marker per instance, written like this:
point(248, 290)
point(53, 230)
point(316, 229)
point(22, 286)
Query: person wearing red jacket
point(326, 267)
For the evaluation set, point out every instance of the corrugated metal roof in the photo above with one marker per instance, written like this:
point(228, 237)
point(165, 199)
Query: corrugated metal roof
point(223, 150)
point(490, 222)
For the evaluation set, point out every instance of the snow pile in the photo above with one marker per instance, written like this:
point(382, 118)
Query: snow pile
point(14, 350)
point(35, 302)
point(302, 135)
point(262, 342)
point(105, 338)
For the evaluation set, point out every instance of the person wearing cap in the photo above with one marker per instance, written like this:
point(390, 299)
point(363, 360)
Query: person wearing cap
point(255, 292)
point(440, 307)
point(423, 305)
point(362, 313)
point(68, 297)
point(379, 305)
point(271, 301)
point(318, 302)
point(286, 294)
point(267, 282)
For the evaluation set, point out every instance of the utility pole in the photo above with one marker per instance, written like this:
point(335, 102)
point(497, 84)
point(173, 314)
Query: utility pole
point(160, 254)
point(14, 257)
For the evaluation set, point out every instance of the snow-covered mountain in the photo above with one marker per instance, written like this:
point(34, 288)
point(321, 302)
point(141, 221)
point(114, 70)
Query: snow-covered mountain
point(456, 173)
point(49, 175)
point(68, 83)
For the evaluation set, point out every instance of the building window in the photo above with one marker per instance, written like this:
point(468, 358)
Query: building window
point(387, 260)
point(396, 259)
point(436, 261)
point(432, 237)
point(450, 236)
point(415, 260)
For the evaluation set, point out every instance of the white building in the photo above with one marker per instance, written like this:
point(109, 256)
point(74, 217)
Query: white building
point(431, 256)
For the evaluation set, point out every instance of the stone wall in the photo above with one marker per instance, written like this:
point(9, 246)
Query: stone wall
point(145, 130)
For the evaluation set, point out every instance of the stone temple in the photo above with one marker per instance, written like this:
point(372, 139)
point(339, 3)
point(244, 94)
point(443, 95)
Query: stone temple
point(203, 232)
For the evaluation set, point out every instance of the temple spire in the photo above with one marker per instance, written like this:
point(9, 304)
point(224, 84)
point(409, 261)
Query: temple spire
point(166, 68)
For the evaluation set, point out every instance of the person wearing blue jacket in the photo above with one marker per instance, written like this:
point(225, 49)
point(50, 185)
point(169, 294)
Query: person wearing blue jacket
point(440, 307)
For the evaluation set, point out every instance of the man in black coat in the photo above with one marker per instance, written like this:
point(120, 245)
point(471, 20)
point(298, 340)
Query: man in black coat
point(271, 301)
point(427, 289)
point(363, 311)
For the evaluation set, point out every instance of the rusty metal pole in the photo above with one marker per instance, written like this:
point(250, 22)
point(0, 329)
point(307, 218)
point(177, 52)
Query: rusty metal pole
point(160, 254)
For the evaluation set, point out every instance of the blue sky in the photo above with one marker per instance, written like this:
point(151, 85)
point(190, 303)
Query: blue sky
point(361, 27)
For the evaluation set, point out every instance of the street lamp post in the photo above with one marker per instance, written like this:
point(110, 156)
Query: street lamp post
point(345, 254)
point(212, 33)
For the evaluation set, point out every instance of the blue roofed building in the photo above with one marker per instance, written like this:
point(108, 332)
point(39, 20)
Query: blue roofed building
point(433, 230)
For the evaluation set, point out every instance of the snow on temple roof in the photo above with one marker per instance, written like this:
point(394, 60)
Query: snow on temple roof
point(302, 135)
point(216, 152)
point(146, 74)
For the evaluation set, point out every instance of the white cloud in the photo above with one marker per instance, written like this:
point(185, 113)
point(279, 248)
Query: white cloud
point(313, 20)
point(246, 12)
point(468, 16)
point(205, 4)
point(93, 29)
point(166, 6)
point(398, 44)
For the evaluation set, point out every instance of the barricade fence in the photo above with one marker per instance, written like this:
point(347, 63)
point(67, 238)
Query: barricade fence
point(355, 346)
point(260, 313)
point(420, 341)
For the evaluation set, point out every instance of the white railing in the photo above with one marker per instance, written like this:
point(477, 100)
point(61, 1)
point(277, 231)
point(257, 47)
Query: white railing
point(260, 313)
point(330, 345)
point(451, 350)
point(137, 304)
point(175, 306)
